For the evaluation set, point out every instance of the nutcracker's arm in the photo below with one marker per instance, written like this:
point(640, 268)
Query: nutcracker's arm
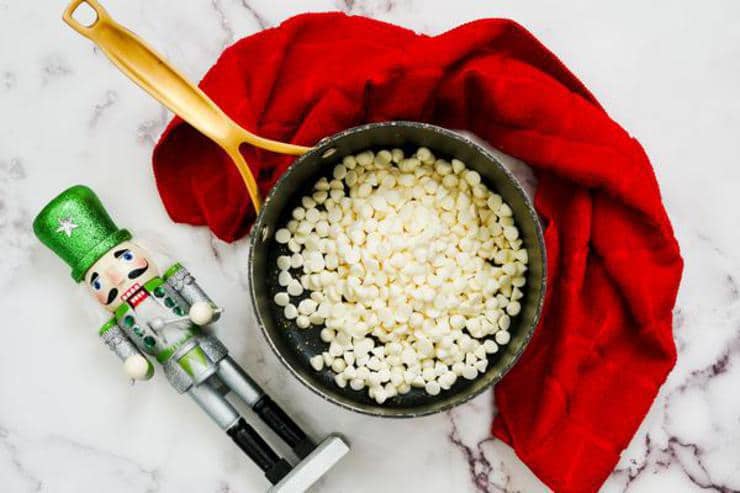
point(180, 279)
point(121, 345)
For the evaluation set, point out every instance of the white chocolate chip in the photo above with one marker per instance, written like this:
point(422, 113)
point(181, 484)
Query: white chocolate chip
point(283, 262)
point(282, 235)
point(282, 299)
point(294, 288)
point(307, 306)
point(469, 372)
point(432, 388)
point(502, 337)
point(290, 311)
point(317, 362)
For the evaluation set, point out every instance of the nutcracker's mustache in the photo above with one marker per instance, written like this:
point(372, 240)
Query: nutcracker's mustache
point(137, 272)
point(112, 295)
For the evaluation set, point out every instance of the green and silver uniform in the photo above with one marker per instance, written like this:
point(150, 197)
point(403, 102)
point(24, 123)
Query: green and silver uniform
point(188, 354)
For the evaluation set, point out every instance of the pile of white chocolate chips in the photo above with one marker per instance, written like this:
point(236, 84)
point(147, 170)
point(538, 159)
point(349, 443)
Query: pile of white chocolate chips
point(414, 269)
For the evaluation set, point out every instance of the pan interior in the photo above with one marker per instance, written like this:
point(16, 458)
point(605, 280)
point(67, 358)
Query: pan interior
point(294, 346)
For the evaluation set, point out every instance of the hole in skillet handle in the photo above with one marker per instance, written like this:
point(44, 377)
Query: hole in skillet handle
point(85, 14)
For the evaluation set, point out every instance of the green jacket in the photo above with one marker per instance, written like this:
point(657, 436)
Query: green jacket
point(129, 332)
point(135, 325)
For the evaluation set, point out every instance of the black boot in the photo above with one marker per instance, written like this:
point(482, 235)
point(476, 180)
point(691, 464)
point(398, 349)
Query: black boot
point(259, 451)
point(285, 427)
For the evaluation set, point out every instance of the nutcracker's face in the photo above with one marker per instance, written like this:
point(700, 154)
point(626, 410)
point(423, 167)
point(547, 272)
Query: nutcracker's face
point(119, 274)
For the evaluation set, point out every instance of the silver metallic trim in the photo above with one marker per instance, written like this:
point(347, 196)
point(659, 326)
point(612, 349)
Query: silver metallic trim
point(119, 343)
point(215, 405)
point(231, 374)
point(182, 350)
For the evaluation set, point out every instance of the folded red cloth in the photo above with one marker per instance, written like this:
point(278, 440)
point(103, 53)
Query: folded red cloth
point(604, 345)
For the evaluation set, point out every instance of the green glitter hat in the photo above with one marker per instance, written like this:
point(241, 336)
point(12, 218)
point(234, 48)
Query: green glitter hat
point(76, 227)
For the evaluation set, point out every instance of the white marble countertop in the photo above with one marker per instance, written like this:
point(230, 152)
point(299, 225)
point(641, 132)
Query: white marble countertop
point(669, 72)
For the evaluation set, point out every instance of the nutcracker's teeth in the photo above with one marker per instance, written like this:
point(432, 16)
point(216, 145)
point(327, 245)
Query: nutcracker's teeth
point(130, 291)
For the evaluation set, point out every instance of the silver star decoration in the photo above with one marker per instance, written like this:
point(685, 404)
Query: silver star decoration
point(66, 226)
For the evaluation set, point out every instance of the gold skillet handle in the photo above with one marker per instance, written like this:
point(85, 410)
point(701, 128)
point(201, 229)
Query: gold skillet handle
point(168, 86)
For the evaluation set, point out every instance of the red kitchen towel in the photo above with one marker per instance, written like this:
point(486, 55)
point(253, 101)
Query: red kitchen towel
point(604, 345)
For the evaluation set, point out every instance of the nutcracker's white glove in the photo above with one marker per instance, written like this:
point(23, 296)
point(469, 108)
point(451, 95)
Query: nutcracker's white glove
point(201, 313)
point(138, 368)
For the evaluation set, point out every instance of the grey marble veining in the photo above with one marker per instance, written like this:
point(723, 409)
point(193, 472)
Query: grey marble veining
point(69, 420)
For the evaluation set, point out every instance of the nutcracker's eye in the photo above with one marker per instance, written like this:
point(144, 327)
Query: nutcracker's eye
point(95, 281)
point(125, 255)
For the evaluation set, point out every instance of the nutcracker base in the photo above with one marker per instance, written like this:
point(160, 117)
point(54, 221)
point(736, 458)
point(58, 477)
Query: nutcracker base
point(313, 467)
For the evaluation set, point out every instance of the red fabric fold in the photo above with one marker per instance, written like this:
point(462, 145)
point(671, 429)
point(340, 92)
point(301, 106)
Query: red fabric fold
point(604, 345)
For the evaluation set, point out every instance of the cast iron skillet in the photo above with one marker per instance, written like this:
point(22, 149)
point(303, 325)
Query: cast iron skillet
point(292, 345)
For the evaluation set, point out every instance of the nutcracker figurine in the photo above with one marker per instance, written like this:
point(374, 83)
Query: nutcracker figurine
point(162, 317)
